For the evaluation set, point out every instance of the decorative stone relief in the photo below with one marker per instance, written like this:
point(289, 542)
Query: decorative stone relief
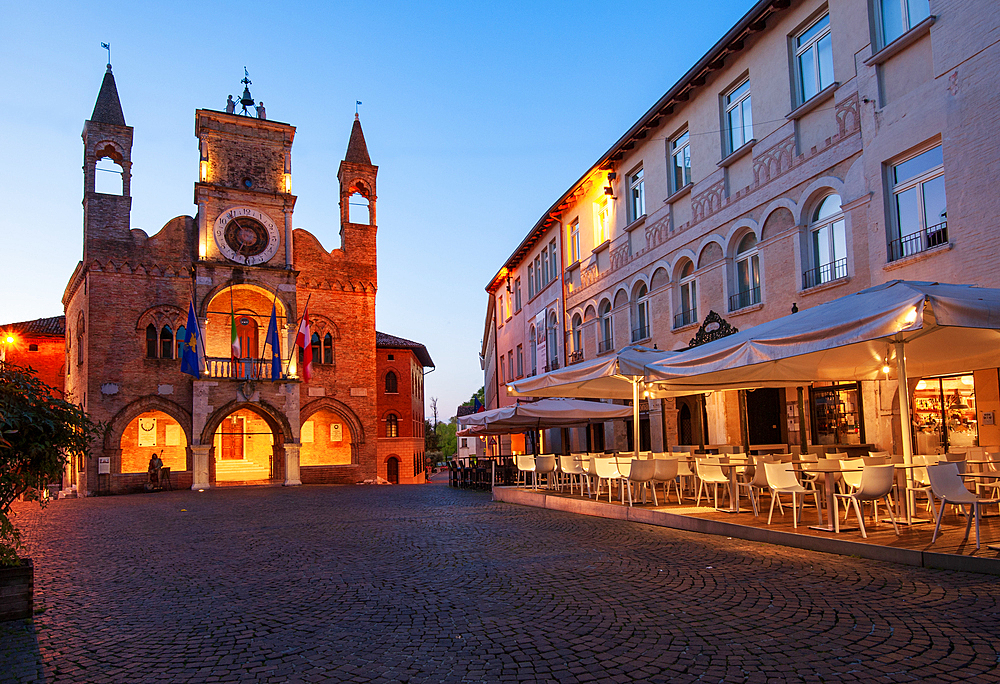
point(774, 161)
point(589, 275)
point(708, 202)
point(620, 256)
point(848, 118)
point(109, 388)
point(713, 328)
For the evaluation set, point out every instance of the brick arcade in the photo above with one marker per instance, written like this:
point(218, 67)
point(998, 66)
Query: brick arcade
point(359, 417)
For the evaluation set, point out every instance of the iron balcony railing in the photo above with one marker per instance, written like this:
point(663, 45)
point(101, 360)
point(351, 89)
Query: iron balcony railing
point(640, 333)
point(824, 274)
point(605, 346)
point(743, 299)
point(920, 241)
point(575, 357)
point(552, 365)
point(685, 318)
point(242, 369)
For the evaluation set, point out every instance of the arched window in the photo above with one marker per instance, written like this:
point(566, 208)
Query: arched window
point(827, 244)
point(392, 426)
point(328, 348)
point(166, 343)
point(317, 348)
point(688, 296)
point(81, 328)
point(390, 383)
point(606, 343)
point(640, 313)
point(181, 336)
point(552, 345)
point(747, 274)
point(152, 343)
point(578, 335)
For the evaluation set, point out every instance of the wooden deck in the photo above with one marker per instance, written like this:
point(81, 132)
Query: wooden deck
point(912, 546)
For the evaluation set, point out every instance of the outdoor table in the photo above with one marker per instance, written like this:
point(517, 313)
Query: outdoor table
point(829, 489)
point(900, 468)
point(734, 491)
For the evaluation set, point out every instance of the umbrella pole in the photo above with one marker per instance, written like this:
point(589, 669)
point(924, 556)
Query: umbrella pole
point(904, 419)
point(635, 417)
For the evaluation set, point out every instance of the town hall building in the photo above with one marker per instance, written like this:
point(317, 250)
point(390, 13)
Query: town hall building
point(359, 417)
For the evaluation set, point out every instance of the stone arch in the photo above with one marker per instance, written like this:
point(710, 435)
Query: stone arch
point(711, 253)
point(814, 192)
point(117, 425)
point(661, 277)
point(590, 312)
point(736, 233)
point(341, 409)
point(639, 278)
point(282, 306)
point(621, 298)
point(687, 257)
point(161, 314)
point(109, 149)
point(275, 419)
point(778, 219)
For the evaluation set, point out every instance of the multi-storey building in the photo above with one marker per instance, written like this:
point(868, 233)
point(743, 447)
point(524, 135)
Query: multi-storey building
point(360, 414)
point(817, 149)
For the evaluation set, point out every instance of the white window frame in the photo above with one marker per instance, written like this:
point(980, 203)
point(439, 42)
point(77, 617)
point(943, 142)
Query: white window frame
point(812, 45)
point(748, 263)
point(834, 226)
point(574, 241)
point(687, 293)
point(531, 281)
point(636, 195)
point(602, 221)
point(576, 333)
point(503, 311)
point(744, 106)
point(545, 267)
point(520, 360)
point(606, 328)
point(641, 329)
point(554, 259)
point(517, 294)
point(920, 237)
point(908, 19)
point(680, 150)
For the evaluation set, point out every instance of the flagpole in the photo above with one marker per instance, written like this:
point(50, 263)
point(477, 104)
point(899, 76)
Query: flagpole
point(274, 299)
point(232, 331)
point(288, 363)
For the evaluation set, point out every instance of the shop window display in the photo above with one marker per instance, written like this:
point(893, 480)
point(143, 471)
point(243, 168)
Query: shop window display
point(837, 412)
point(944, 414)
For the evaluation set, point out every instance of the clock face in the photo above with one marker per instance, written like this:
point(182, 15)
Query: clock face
point(246, 236)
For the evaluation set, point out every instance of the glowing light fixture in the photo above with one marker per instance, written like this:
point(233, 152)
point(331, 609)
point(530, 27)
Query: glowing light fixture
point(288, 183)
point(922, 385)
point(204, 171)
point(967, 380)
point(10, 339)
point(911, 316)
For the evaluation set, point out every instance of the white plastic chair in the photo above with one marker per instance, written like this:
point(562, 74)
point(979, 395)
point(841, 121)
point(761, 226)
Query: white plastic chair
point(640, 475)
point(666, 473)
point(875, 482)
point(781, 479)
point(684, 472)
point(709, 473)
point(571, 468)
point(607, 470)
point(947, 485)
point(525, 464)
point(545, 464)
point(757, 484)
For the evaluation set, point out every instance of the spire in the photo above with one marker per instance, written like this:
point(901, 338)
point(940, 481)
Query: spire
point(108, 109)
point(357, 150)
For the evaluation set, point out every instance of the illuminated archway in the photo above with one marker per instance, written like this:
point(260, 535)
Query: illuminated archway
point(244, 447)
point(153, 432)
point(326, 440)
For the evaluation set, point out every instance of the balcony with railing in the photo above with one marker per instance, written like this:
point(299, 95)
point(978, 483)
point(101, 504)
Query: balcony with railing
point(686, 317)
point(824, 274)
point(552, 365)
point(604, 346)
point(640, 333)
point(242, 369)
point(921, 241)
point(742, 300)
point(574, 357)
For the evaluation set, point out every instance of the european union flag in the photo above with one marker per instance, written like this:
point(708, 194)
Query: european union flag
point(190, 359)
point(272, 339)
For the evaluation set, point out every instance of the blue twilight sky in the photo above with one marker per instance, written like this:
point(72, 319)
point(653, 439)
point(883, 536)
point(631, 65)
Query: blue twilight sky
point(479, 115)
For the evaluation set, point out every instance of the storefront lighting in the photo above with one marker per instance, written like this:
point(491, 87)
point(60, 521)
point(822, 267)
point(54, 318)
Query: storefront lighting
point(922, 385)
point(911, 316)
point(204, 171)
point(967, 380)
point(886, 368)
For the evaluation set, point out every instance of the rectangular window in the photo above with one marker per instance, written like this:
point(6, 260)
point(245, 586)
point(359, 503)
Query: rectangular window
point(689, 304)
point(510, 310)
point(602, 215)
point(829, 247)
point(538, 275)
point(517, 294)
point(814, 58)
point(899, 16)
point(545, 267)
point(920, 211)
point(503, 311)
point(531, 281)
point(739, 117)
point(520, 360)
point(636, 196)
point(680, 161)
point(503, 379)
point(574, 242)
point(747, 282)
point(554, 259)
point(510, 363)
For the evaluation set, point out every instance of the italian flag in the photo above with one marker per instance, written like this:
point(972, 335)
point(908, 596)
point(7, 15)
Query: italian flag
point(234, 338)
point(303, 340)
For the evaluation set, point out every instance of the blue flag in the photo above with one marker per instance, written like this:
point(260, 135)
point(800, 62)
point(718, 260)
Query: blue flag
point(476, 406)
point(190, 358)
point(272, 339)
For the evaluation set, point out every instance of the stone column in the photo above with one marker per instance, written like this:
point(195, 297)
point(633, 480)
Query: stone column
point(200, 455)
point(292, 465)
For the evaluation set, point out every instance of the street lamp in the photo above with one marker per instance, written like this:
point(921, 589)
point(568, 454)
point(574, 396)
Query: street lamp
point(7, 340)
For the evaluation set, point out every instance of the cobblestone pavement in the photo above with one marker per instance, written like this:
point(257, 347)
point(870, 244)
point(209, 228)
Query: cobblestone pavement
point(430, 584)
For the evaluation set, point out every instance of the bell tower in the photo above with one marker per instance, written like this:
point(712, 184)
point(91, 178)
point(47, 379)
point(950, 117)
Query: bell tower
point(357, 176)
point(106, 222)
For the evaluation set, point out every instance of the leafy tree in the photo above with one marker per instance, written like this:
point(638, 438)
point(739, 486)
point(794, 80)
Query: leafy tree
point(446, 438)
point(479, 394)
point(430, 437)
point(38, 432)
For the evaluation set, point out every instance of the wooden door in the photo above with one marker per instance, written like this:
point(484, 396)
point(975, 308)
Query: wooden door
point(392, 470)
point(232, 439)
point(246, 331)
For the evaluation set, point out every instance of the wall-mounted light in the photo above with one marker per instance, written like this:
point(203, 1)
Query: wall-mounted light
point(203, 174)
point(288, 183)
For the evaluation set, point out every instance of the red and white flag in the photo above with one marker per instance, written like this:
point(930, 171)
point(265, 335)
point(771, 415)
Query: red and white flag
point(303, 340)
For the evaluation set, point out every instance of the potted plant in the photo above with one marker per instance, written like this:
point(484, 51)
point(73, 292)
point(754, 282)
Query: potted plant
point(38, 432)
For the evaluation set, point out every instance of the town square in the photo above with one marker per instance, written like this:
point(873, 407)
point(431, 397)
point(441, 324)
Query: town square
point(469, 358)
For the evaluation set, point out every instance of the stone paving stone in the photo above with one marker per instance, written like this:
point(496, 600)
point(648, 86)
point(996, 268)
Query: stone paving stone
point(426, 584)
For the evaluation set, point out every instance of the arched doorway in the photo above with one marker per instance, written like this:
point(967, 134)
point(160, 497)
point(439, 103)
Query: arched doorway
point(153, 432)
point(686, 433)
point(392, 470)
point(246, 333)
point(247, 449)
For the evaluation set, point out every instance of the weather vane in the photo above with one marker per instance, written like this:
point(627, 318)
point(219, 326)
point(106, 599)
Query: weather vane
point(107, 46)
point(356, 105)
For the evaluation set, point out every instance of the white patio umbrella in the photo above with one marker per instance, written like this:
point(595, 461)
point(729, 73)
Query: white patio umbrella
point(922, 328)
point(547, 413)
point(616, 376)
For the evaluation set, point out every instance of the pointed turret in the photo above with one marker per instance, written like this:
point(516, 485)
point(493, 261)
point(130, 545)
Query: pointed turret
point(108, 109)
point(357, 150)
